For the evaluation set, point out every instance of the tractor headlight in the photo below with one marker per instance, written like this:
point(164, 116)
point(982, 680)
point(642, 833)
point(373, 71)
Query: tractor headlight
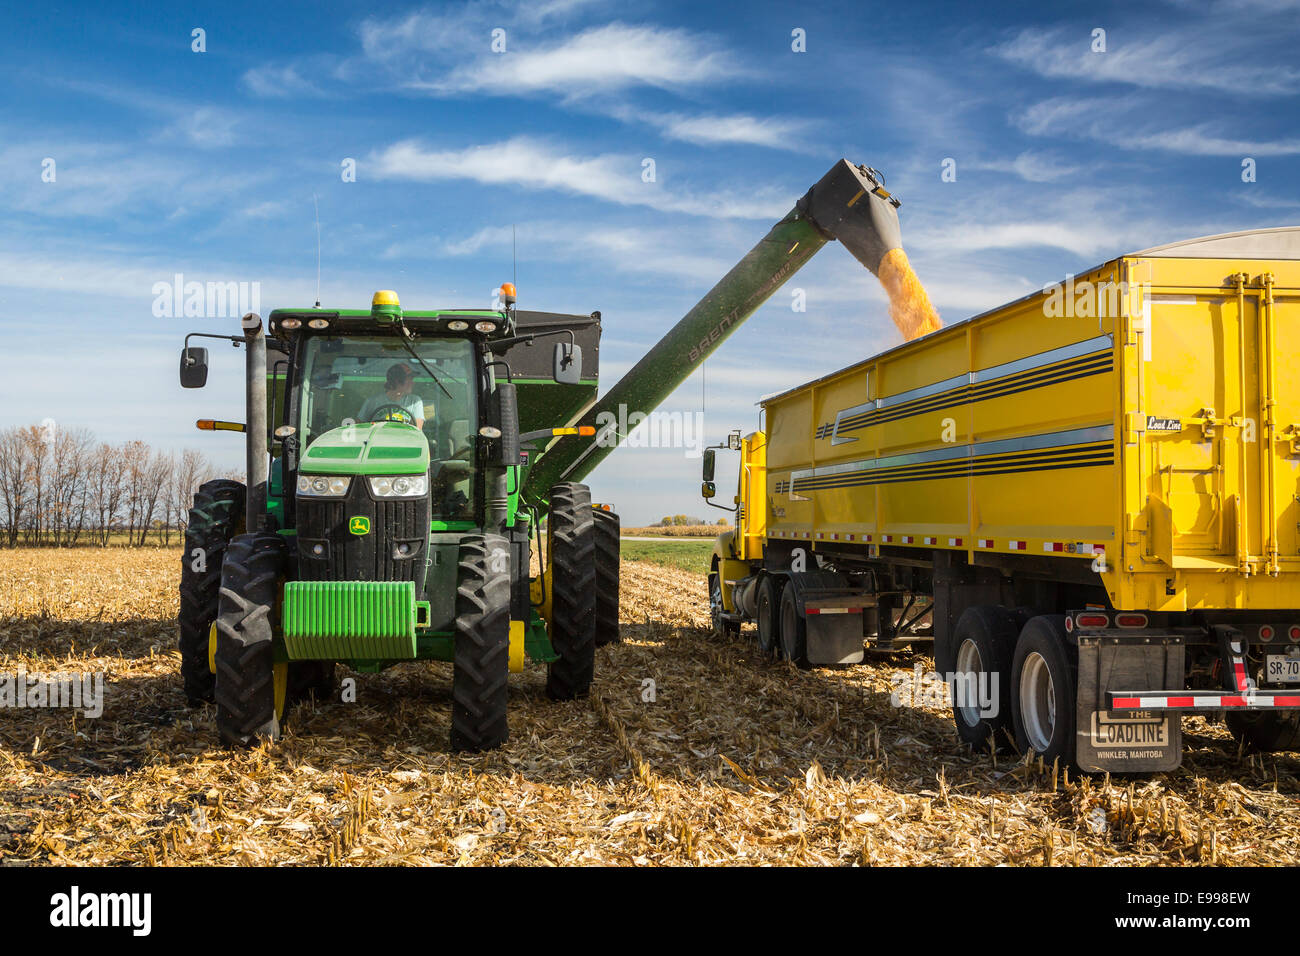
point(402, 486)
point(488, 327)
point(322, 486)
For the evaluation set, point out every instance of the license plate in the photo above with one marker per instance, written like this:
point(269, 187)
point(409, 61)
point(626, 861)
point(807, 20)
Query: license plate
point(1279, 669)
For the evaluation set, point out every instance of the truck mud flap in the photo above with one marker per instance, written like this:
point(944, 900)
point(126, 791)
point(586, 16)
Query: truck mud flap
point(834, 630)
point(1128, 741)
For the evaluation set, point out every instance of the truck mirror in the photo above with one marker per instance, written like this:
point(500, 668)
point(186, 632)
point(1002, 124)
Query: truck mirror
point(708, 489)
point(568, 363)
point(194, 367)
point(709, 455)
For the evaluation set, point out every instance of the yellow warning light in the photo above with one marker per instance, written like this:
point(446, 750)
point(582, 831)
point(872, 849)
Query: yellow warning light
point(385, 297)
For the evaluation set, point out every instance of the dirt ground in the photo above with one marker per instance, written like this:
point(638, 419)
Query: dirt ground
point(689, 751)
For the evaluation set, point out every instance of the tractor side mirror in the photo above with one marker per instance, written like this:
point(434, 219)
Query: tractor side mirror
point(708, 466)
point(194, 367)
point(568, 363)
point(708, 489)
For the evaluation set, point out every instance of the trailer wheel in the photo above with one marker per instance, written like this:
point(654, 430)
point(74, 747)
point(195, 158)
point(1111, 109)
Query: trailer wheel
point(482, 664)
point(986, 643)
point(251, 689)
point(573, 591)
point(794, 630)
point(216, 516)
point(1044, 677)
point(608, 555)
point(1266, 732)
point(769, 611)
point(722, 628)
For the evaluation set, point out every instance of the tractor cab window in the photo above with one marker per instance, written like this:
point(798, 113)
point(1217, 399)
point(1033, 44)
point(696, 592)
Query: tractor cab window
point(352, 380)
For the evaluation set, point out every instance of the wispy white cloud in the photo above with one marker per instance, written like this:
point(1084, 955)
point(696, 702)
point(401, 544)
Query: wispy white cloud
point(641, 251)
point(603, 59)
point(1096, 119)
point(1032, 167)
point(528, 163)
point(734, 129)
point(276, 81)
point(1185, 58)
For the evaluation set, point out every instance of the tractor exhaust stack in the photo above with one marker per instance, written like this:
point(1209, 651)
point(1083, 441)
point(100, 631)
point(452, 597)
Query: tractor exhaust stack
point(255, 435)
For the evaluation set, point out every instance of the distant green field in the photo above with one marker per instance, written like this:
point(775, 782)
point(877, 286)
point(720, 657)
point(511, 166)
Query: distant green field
point(687, 554)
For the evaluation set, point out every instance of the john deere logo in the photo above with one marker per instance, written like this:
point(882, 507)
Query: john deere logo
point(359, 525)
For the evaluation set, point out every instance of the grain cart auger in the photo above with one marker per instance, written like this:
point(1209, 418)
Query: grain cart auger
point(382, 520)
point(850, 203)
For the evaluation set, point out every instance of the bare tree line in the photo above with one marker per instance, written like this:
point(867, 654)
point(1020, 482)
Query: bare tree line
point(60, 487)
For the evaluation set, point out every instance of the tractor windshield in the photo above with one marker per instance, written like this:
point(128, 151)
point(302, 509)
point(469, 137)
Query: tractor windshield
point(351, 379)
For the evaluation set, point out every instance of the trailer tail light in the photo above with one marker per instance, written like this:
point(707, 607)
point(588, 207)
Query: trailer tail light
point(1294, 632)
point(1266, 632)
point(1130, 620)
point(1092, 620)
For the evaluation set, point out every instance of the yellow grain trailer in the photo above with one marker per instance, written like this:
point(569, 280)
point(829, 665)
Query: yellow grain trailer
point(1090, 495)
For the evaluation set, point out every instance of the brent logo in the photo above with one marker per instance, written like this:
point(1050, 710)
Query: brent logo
point(359, 525)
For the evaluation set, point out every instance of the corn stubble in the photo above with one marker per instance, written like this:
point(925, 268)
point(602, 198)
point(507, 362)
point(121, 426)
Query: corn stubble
point(733, 761)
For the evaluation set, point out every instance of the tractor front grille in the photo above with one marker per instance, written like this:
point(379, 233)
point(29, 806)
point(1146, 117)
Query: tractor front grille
point(394, 549)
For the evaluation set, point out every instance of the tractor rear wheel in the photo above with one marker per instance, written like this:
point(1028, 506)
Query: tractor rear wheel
point(572, 530)
point(251, 689)
point(482, 664)
point(608, 547)
point(216, 517)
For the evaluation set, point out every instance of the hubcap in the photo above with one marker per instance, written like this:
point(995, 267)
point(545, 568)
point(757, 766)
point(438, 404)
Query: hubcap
point(969, 667)
point(1037, 702)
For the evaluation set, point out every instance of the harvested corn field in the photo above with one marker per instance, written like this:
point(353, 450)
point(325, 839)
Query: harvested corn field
point(688, 751)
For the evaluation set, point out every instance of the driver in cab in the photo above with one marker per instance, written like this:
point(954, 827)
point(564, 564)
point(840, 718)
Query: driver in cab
point(397, 396)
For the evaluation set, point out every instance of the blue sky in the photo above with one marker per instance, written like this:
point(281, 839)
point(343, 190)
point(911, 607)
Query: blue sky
point(172, 161)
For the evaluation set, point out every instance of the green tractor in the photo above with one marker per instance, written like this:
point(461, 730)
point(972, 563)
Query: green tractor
point(387, 515)
point(405, 469)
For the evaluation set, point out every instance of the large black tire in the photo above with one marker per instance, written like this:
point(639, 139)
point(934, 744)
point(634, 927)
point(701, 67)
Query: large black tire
point(216, 517)
point(1266, 732)
point(985, 639)
point(722, 628)
point(794, 630)
point(608, 555)
point(1045, 661)
point(573, 591)
point(769, 614)
point(482, 666)
point(247, 622)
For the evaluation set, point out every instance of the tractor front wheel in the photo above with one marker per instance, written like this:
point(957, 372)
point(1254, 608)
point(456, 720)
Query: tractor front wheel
point(482, 665)
point(572, 530)
point(216, 517)
point(251, 689)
